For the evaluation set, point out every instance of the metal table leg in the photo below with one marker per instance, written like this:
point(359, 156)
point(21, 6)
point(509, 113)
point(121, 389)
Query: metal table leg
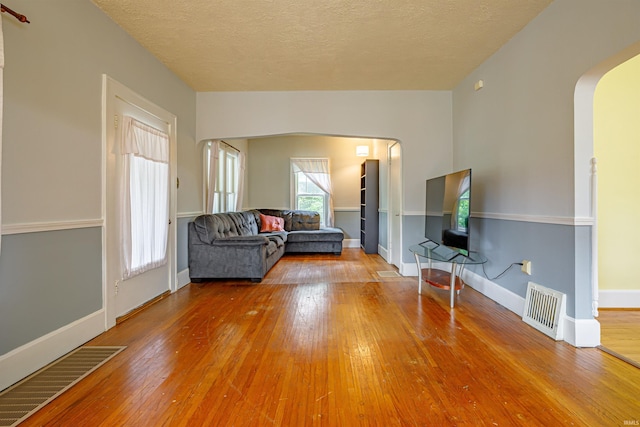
point(419, 273)
point(452, 283)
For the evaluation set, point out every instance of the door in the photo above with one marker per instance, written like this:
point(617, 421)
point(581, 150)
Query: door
point(395, 205)
point(122, 296)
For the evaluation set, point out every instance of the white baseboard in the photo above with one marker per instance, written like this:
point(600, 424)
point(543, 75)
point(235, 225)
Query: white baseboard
point(582, 332)
point(183, 278)
point(577, 332)
point(502, 296)
point(629, 298)
point(351, 243)
point(408, 269)
point(26, 359)
point(382, 251)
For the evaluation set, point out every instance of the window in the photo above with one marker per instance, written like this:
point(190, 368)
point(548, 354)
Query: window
point(224, 174)
point(311, 188)
point(309, 197)
point(145, 198)
point(462, 212)
point(462, 208)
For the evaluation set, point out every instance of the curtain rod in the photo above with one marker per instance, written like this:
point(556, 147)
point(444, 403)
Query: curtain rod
point(229, 145)
point(17, 15)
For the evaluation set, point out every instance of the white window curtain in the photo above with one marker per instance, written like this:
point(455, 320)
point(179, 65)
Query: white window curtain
point(317, 171)
point(214, 156)
point(145, 197)
point(225, 178)
point(240, 181)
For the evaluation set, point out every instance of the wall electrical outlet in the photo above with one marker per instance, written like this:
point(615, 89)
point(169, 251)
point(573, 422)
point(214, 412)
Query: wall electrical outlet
point(526, 267)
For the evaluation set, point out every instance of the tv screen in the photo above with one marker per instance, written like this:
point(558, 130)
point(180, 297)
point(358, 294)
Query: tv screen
point(448, 200)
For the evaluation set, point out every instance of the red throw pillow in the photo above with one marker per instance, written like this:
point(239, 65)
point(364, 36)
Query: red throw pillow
point(271, 223)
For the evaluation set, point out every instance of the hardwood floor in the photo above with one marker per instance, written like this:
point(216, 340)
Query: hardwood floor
point(620, 333)
point(324, 340)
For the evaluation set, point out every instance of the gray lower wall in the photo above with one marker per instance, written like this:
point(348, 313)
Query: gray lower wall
point(412, 234)
point(559, 255)
point(182, 247)
point(47, 280)
point(549, 247)
point(383, 237)
point(583, 273)
point(349, 222)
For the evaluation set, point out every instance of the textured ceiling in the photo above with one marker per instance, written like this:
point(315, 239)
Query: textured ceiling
point(279, 45)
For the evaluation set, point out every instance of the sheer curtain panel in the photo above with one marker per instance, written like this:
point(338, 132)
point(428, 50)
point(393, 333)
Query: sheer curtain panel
point(213, 161)
point(240, 181)
point(144, 197)
point(317, 171)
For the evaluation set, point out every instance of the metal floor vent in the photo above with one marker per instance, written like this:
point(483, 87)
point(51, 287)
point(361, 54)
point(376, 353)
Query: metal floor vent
point(388, 274)
point(24, 398)
point(544, 309)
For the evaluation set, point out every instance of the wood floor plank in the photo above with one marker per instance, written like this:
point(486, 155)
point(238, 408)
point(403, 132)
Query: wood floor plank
point(325, 341)
point(620, 331)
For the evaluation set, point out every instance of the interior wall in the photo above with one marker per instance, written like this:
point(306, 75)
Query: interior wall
point(517, 135)
point(380, 153)
point(420, 120)
point(269, 163)
point(617, 149)
point(51, 259)
point(269, 173)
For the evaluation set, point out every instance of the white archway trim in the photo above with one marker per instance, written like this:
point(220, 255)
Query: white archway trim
point(585, 164)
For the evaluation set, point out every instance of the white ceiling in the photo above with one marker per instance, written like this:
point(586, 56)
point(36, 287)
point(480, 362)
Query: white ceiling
point(281, 45)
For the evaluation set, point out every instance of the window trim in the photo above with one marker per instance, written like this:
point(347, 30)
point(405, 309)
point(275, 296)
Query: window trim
point(223, 196)
point(293, 196)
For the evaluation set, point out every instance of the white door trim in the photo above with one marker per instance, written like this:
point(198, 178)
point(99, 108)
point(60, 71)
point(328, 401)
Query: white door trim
point(394, 242)
point(112, 89)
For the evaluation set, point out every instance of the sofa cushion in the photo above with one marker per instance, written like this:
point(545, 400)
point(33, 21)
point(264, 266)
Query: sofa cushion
point(271, 223)
point(279, 238)
point(276, 236)
point(245, 222)
point(271, 247)
point(305, 220)
point(211, 227)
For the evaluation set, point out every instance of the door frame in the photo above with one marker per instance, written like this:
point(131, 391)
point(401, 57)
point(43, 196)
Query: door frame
point(111, 90)
point(394, 242)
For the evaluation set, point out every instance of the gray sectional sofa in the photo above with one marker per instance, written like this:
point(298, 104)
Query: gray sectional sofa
point(231, 246)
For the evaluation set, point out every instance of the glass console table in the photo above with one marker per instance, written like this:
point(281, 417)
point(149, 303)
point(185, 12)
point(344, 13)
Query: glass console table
point(452, 279)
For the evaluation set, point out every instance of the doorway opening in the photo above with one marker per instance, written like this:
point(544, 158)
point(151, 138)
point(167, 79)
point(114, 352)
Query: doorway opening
point(588, 192)
point(268, 162)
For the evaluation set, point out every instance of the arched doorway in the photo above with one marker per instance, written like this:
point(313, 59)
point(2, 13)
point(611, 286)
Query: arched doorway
point(267, 163)
point(585, 164)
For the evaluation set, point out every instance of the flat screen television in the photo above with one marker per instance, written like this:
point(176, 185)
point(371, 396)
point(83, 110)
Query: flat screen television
point(447, 214)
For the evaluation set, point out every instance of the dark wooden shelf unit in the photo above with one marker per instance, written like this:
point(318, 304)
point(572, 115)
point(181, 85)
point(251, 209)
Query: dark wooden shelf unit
point(369, 198)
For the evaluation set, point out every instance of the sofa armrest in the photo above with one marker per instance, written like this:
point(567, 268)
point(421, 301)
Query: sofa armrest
point(227, 257)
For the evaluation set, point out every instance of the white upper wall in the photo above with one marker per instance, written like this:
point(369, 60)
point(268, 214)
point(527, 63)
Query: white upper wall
point(517, 133)
point(269, 170)
point(420, 120)
point(52, 128)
